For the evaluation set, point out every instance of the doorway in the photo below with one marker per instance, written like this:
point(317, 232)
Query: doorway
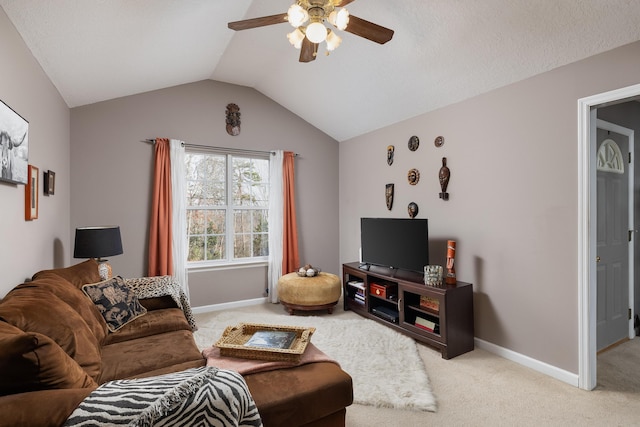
point(587, 229)
point(615, 238)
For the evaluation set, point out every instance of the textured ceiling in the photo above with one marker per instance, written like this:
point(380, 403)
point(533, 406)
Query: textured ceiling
point(443, 51)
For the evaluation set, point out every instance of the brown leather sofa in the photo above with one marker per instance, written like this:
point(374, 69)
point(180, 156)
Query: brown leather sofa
point(55, 348)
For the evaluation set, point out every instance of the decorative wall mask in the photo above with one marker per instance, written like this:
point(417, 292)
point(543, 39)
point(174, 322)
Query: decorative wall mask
point(439, 141)
point(444, 176)
point(414, 143)
point(412, 209)
point(388, 193)
point(390, 151)
point(413, 176)
point(233, 119)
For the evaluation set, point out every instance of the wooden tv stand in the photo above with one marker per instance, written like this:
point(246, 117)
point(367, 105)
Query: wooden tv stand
point(449, 310)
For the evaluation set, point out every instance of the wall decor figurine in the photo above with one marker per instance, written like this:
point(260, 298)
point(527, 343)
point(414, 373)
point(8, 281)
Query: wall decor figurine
point(233, 119)
point(439, 141)
point(414, 143)
point(413, 176)
point(388, 193)
point(390, 151)
point(444, 176)
point(412, 209)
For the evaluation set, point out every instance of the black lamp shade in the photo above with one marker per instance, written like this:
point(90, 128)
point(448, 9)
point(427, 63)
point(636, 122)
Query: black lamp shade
point(97, 242)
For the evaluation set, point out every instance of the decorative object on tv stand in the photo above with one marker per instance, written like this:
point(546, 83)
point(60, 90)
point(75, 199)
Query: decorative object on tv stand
point(49, 186)
point(233, 119)
point(444, 176)
point(413, 176)
point(308, 271)
point(390, 151)
point(450, 277)
point(414, 143)
point(439, 141)
point(14, 146)
point(412, 209)
point(433, 275)
point(388, 194)
point(31, 194)
point(98, 242)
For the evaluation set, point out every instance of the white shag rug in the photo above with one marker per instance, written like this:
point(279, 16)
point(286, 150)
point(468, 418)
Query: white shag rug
point(385, 366)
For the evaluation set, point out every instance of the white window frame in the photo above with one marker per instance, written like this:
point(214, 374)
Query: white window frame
point(230, 208)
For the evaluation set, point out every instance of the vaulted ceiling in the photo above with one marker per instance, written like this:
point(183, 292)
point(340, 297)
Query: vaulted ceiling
point(442, 52)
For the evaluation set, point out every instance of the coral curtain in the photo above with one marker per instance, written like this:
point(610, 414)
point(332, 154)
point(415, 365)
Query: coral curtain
point(275, 224)
point(160, 231)
point(290, 258)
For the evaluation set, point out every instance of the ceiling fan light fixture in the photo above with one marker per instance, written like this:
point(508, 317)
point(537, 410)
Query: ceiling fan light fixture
point(316, 32)
point(339, 19)
point(333, 41)
point(295, 38)
point(296, 15)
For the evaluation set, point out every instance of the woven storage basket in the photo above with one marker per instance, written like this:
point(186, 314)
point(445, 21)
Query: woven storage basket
point(234, 339)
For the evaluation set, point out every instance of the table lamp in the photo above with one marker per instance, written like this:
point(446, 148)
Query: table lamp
point(98, 242)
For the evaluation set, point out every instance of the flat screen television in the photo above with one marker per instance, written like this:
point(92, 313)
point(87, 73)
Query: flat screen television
point(394, 242)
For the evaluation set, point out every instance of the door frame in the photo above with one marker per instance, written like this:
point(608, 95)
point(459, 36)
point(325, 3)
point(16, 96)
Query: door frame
point(629, 133)
point(587, 251)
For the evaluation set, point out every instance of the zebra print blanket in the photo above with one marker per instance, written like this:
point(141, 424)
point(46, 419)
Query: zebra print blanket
point(204, 396)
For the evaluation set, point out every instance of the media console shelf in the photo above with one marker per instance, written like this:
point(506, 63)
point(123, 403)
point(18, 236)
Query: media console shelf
point(439, 317)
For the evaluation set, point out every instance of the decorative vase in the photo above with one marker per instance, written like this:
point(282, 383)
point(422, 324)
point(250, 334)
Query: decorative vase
point(450, 277)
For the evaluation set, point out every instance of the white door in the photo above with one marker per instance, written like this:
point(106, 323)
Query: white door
point(613, 236)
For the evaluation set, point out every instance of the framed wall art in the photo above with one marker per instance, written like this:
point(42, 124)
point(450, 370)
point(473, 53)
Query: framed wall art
point(14, 146)
point(31, 194)
point(49, 184)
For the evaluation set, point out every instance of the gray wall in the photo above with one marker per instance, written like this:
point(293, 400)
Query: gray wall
point(112, 169)
point(513, 208)
point(29, 246)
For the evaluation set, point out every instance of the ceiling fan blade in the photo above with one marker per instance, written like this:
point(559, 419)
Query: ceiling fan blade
point(342, 3)
point(247, 24)
point(308, 51)
point(368, 30)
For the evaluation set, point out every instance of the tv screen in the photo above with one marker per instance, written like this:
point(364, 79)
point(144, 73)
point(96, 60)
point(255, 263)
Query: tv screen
point(394, 242)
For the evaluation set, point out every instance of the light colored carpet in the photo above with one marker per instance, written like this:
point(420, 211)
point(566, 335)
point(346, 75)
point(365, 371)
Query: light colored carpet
point(615, 366)
point(385, 366)
point(481, 389)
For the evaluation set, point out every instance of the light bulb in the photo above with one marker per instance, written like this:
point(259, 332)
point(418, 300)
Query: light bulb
point(333, 41)
point(316, 32)
point(339, 19)
point(296, 15)
point(295, 38)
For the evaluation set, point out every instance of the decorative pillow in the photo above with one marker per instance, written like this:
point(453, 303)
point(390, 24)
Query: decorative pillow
point(32, 361)
point(117, 303)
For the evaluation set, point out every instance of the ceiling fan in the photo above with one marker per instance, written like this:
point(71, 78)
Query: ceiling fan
point(308, 17)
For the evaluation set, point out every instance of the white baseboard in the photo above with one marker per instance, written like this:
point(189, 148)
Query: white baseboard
point(228, 305)
point(536, 365)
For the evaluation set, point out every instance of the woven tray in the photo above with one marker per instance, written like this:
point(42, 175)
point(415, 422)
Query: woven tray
point(234, 339)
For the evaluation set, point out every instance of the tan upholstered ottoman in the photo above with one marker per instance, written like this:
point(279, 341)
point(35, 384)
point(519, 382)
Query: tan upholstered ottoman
point(309, 293)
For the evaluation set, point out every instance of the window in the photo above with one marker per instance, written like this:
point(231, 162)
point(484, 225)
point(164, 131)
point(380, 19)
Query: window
point(227, 208)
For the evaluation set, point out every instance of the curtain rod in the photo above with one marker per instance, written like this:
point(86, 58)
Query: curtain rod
point(224, 149)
